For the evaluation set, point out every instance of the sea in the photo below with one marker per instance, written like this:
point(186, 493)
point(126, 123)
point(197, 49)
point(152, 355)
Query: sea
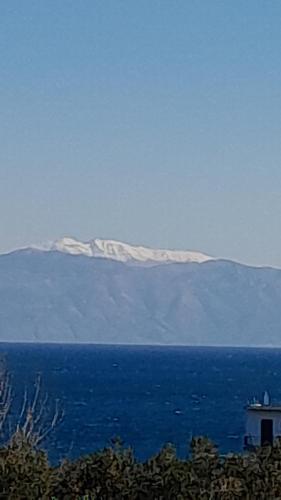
point(146, 396)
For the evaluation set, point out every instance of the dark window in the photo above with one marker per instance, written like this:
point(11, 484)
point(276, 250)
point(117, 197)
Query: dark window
point(266, 431)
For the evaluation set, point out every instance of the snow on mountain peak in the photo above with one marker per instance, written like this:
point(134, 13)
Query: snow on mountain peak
point(123, 252)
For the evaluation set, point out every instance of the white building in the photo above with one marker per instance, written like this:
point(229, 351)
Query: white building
point(263, 424)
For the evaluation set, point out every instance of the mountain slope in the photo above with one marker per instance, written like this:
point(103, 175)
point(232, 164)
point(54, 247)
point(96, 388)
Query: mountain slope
point(52, 296)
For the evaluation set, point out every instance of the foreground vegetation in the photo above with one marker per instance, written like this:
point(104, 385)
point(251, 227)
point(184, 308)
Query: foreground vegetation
point(113, 473)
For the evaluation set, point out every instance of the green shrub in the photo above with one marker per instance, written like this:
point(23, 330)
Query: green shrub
point(114, 474)
point(24, 471)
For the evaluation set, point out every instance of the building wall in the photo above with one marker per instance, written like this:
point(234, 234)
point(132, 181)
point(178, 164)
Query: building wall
point(253, 424)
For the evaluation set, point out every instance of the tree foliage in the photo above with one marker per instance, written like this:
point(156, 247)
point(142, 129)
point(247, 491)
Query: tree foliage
point(114, 473)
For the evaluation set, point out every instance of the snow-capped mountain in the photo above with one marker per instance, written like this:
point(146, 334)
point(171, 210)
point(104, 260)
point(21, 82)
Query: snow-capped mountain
point(117, 293)
point(123, 252)
point(58, 297)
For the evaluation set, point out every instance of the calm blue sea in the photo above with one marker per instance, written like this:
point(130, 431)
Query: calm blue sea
point(145, 395)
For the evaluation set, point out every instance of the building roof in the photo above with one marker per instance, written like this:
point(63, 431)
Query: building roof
point(261, 407)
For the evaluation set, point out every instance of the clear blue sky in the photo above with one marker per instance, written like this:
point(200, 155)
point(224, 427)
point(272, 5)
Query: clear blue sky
point(150, 121)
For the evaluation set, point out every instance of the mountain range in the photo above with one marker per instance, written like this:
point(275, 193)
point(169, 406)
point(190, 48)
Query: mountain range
point(105, 291)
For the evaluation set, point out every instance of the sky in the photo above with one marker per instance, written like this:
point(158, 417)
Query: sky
point(147, 121)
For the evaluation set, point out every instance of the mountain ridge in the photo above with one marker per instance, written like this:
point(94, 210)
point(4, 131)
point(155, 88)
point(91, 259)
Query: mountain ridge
point(120, 251)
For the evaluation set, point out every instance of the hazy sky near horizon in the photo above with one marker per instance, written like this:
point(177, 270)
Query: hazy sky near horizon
point(153, 122)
